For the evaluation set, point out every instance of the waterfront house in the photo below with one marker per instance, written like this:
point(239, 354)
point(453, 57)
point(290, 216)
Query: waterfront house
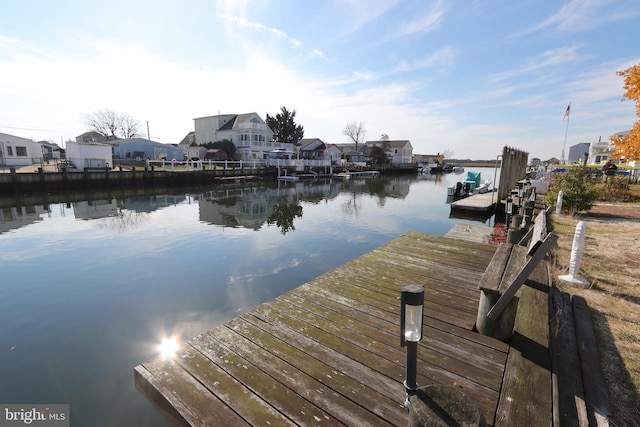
point(188, 141)
point(351, 154)
point(197, 152)
point(312, 149)
point(429, 159)
point(577, 152)
point(215, 154)
point(50, 151)
point(141, 148)
point(91, 136)
point(89, 154)
point(250, 134)
point(398, 151)
point(18, 151)
point(334, 153)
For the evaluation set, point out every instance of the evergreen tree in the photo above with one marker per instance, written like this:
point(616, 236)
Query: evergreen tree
point(284, 127)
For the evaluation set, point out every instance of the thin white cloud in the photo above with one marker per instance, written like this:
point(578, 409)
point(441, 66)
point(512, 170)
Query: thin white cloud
point(360, 13)
point(243, 22)
point(430, 21)
point(317, 52)
point(363, 75)
point(582, 15)
point(546, 59)
point(441, 58)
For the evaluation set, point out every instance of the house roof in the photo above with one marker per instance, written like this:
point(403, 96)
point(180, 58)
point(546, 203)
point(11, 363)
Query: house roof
point(90, 133)
point(312, 144)
point(236, 119)
point(141, 141)
point(398, 143)
point(229, 124)
point(190, 137)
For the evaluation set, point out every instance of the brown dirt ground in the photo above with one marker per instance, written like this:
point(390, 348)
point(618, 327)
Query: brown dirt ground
point(613, 211)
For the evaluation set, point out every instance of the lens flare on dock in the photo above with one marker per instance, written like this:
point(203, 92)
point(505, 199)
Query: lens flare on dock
point(169, 346)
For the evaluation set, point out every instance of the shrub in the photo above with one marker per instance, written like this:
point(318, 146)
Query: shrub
point(616, 190)
point(578, 192)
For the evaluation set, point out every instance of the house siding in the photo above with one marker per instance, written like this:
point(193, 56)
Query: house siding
point(18, 151)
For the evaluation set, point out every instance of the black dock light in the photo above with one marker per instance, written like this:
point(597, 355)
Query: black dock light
point(520, 192)
point(411, 306)
point(514, 195)
point(508, 211)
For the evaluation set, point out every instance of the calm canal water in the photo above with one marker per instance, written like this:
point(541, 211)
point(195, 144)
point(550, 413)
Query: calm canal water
point(89, 288)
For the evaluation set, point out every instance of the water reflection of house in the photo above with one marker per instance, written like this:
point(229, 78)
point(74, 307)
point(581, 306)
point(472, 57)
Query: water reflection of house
point(94, 209)
point(17, 217)
point(250, 207)
point(396, 187)
point(151, 203)
point(239, 207)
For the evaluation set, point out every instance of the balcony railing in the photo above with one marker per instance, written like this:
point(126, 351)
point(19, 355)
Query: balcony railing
point(255, 126)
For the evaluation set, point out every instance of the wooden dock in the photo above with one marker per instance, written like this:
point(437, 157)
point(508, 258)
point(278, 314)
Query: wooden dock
point(478, 202)
point(328, 352)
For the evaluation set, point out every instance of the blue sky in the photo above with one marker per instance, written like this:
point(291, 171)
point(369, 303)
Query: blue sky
point(458, 76)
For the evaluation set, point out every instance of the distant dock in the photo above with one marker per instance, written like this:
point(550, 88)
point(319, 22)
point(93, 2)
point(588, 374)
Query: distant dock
point(478, 202)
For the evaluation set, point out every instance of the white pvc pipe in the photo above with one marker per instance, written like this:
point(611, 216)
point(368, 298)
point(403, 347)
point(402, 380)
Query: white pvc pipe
point(576, 257)
point(559, 203)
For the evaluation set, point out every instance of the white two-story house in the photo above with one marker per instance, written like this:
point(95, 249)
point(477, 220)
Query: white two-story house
point(248, 132)
point(398, 151)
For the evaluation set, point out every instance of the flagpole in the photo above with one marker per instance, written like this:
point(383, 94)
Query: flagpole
point(566, 131)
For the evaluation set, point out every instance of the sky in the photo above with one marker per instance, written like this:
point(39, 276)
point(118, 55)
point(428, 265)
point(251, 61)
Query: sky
point(461, 77)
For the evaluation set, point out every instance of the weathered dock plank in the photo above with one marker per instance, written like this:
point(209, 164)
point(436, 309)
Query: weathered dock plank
point(477, 202)
point(526, 397)
point(328, 352)
point(470, 232)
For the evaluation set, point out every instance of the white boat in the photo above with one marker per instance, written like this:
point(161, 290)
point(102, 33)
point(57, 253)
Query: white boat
point(471, 185)
point(458, 169)
point(288, 178)
point(343, 175)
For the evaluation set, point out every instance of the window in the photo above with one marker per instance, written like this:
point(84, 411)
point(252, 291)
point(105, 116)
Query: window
point(9, 151)
point(21, 151)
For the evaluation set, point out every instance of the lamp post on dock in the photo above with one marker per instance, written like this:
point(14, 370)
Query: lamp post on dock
point(508, 208)
point(520, 186)
point(411, 322)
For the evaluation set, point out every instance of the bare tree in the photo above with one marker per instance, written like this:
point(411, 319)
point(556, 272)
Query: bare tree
point(356, 132)
point(447, 154)
point(129, 126)
point(111, 124)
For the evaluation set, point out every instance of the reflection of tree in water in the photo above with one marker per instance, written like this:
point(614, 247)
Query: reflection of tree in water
point(352, 205)
point(126, 219)
point(284, 212)
point(377, 187)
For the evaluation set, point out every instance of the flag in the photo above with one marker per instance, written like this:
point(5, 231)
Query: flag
point(566, 113)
